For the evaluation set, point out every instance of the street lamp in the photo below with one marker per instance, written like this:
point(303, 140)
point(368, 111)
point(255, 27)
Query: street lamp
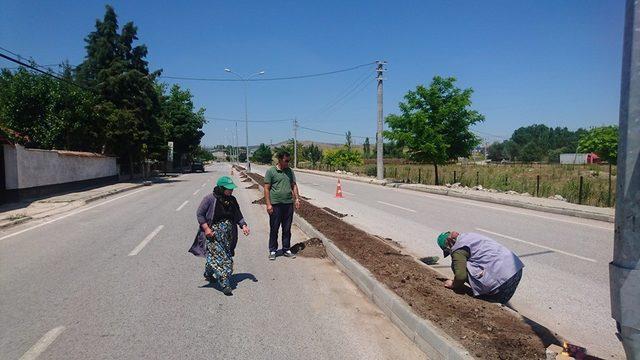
point(246, 115)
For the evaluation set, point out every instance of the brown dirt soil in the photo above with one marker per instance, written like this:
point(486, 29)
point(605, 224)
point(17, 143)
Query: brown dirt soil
point(334, 213)
point(254, 186)
point(486, 330)
point(260, 201)
point(312, 248)
point(247, 180)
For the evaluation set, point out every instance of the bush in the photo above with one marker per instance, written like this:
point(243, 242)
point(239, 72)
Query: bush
point(343, 158)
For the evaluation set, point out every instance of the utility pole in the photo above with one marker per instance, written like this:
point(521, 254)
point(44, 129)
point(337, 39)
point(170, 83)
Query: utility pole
point(295, 143)
point(379, 140)
point(624, 270)
point(236, 150)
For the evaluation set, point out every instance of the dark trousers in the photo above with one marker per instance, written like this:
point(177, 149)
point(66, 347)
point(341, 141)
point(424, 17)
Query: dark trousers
point(505, 291)
point(282, 215)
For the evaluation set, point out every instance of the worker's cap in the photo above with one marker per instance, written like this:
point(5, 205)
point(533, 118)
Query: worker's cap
point(442, 242)
point(226, 183)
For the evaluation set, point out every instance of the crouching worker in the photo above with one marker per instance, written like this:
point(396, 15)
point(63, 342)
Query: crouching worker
point(492, 270)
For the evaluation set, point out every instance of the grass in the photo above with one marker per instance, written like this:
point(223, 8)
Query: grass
point(554, 179)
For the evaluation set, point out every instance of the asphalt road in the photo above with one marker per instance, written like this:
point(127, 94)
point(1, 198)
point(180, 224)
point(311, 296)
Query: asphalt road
point(565, 285)
point(113, 280)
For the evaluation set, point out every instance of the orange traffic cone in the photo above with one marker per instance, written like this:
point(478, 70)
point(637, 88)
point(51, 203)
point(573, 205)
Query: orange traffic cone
point(339, 190)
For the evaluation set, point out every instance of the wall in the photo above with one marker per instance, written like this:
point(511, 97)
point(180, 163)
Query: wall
point(33, 168)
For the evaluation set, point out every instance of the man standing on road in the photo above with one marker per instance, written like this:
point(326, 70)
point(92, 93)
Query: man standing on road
point(280, 194)
point(492, 270)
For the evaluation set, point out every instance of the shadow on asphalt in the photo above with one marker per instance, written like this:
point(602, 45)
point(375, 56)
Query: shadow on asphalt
point(235, 280)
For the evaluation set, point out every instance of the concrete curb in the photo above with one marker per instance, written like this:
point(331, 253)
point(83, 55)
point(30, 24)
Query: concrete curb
point(428, 337)
point(584, 214)
point(107, 194)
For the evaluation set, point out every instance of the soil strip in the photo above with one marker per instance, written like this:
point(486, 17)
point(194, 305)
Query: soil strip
point(486, 330)
point(334, 213)
point(312, 248)
point(254, 186)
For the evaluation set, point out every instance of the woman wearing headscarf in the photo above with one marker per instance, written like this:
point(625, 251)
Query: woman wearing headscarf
point(218, 216)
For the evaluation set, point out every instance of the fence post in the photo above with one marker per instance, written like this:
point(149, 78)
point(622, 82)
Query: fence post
point(506, 180)
point(395, 172)
point(580, 190)
point(420, 178)
point(477, 178)
point(384, 172)
point(537, 185)
point(454, 177)
point(609, 196)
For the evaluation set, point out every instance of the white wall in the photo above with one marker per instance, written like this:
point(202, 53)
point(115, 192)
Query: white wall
point(26, 168)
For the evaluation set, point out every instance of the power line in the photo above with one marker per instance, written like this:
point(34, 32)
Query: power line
point(331, 133)
point(295, 77)
point(42, 71)
point(242, 120)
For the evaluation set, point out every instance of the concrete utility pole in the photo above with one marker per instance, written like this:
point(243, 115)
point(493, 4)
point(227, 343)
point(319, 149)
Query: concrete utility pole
point(235, 151)
point(379, 140)
point(624, 270)
point(295, 143)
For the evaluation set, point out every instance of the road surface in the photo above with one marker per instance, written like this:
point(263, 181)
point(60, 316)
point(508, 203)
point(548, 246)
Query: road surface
point(565, 284)
point(113, 280)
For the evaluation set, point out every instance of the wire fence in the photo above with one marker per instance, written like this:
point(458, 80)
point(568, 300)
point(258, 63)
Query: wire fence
point(592, 184)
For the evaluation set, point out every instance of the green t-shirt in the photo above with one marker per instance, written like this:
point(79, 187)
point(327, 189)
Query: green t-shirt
point(280, 181)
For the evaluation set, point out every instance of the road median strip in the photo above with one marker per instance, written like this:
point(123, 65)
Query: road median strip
point(443, 324)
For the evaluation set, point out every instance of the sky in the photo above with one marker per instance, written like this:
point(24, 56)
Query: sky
point(552, 62)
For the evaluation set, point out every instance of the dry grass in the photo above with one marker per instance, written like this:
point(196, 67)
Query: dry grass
point(555, 179)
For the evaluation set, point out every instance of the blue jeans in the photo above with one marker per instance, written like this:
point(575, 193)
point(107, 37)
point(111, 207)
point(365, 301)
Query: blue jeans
point(282, 216)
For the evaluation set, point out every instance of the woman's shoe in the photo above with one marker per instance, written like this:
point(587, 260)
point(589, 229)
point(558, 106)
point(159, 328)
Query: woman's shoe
point(227, 291)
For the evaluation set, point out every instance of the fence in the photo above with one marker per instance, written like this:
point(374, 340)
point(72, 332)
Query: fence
point(581, 184)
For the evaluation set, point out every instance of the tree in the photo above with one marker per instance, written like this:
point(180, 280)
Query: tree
point(366, 148)
point(262, 155)
point(342, 158)
point(312, 153)
point(119, 73)
point(181, 123)
point(349, 140)
point(496, 151)
point(434, 123)
point(601, 140)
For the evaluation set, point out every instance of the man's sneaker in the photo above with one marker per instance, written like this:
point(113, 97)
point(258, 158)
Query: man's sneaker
point(227, 291)
point(289, 254)
point(272, 255)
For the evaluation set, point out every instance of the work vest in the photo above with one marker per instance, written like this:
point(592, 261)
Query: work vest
point(490, 263)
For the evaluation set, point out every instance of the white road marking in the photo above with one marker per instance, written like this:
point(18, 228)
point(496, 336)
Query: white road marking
point(196, 192)
point(348, 193)
point(203, 185)
point(42, 344)
point(146, 240)
point(537, 245)
point(396, 206)
point(181, 206)
point(72, 213)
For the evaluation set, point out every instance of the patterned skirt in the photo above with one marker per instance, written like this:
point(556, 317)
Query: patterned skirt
point(219, 259)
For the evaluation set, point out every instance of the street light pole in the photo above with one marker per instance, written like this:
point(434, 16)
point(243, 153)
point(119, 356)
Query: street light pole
point(245, 81)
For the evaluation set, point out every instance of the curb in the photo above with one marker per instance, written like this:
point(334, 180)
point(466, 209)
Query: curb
point(102, 196)
point(446, 192)
point(429, 338)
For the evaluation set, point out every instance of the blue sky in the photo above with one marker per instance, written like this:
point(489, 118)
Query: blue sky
point(551, 62)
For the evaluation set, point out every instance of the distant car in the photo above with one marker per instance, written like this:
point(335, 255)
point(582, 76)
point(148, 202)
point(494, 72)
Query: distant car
point(197, 166)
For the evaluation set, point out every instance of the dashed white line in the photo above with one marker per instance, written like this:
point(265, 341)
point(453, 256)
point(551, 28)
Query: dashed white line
point(348, 193)
point(396, 206)
point(146, 240)
point(71, 214)
point(203, 185)
point(42, 344)
point(181, 206)
point(196, 192)
point(537, 245)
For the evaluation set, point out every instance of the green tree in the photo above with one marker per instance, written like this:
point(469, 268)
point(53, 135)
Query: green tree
point(366, 148)
point(349, 140)
point(434, 123)
point(312, 153)
point(601, 140)
point(181, 123)
point(262, 155)
point(118, 72)
point(496, 151)
point(342, 158)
